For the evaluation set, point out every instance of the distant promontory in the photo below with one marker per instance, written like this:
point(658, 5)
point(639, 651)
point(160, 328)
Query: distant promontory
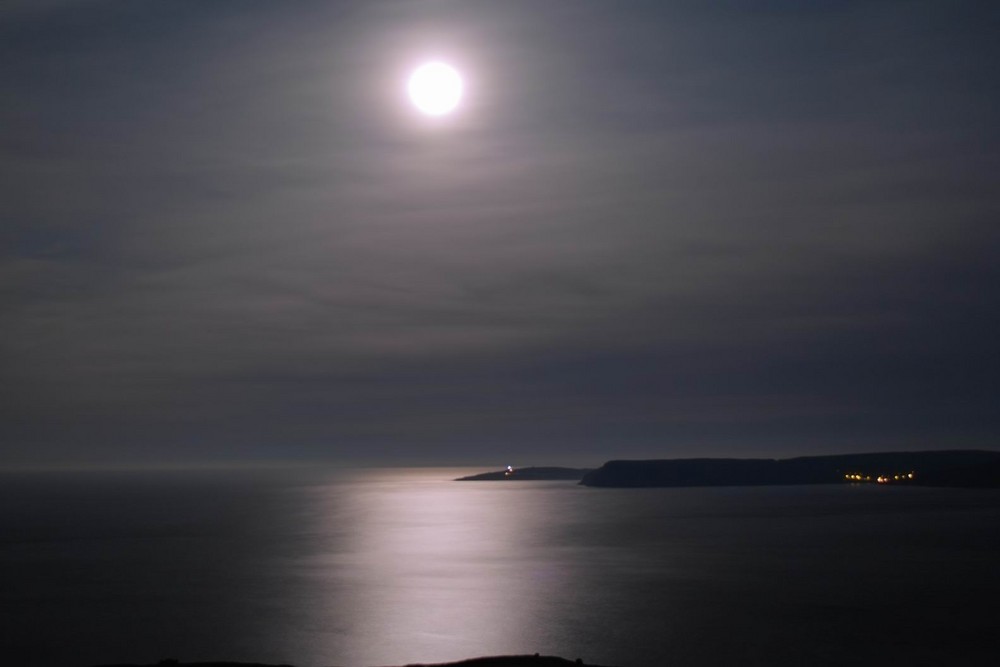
point(956, 468)
point(526, 474)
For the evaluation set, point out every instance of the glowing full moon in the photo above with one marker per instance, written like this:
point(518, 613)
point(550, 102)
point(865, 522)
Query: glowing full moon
point(435, 88)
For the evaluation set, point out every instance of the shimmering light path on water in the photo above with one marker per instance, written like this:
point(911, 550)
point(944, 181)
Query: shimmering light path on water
point(398, 566)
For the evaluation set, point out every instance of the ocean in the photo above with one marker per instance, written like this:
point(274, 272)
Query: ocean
point(389, 567)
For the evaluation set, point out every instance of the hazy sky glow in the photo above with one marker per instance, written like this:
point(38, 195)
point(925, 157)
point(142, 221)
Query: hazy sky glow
point(653, 229)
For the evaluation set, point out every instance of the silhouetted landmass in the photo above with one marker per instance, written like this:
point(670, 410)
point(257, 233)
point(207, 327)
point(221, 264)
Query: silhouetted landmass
point(490, 661)
point(957, 468)
point(175, 663)
point(510, 661)
point(539, 473)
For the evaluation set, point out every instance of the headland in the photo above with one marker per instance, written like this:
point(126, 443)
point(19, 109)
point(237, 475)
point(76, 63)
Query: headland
point(528, 474)
point(970, 468)
point(954, 468)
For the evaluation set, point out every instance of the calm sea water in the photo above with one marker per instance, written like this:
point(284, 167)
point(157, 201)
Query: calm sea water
point(395, 566)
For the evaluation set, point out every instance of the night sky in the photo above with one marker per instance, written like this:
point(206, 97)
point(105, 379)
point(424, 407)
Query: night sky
point(650, 230)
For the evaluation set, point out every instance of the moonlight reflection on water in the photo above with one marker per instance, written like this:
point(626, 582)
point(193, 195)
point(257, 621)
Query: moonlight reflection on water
point(392, 567)
point(449, 571)
point(641, 576)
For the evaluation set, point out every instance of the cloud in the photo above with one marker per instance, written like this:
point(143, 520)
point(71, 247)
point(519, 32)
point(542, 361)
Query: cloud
point(226, 234)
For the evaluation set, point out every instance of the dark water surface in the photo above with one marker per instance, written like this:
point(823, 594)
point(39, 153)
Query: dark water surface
point(395, 566)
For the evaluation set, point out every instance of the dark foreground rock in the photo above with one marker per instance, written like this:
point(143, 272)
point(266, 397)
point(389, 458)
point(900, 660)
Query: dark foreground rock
point(175, 663)
point(528, 474)
point(955, 468)
point(489, 661)
point(511, 661)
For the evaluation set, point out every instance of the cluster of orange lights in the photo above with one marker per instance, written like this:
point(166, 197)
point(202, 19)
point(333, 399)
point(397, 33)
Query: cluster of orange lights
point(879, 479)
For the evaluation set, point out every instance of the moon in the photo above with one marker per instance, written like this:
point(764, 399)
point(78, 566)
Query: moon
point(435, 88)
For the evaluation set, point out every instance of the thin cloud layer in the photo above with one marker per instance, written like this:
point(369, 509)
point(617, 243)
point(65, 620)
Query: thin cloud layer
point(651, 231)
